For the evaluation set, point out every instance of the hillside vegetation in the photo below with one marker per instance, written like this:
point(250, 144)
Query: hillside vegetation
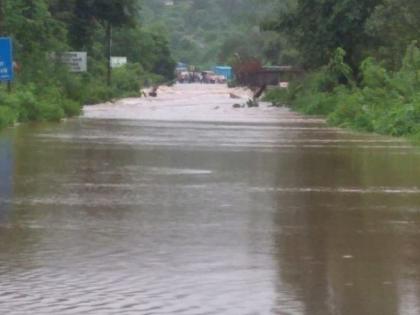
point(205, 33)
point(362, 60)
point(44, 88)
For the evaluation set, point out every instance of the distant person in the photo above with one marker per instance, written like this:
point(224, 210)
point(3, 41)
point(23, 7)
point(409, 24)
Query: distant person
point(153, 92)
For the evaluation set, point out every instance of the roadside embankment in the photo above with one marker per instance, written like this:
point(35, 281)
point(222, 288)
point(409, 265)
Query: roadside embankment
point(64, 95)
point(384, 102)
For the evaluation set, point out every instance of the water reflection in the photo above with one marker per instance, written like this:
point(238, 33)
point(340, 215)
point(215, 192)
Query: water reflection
point(6, 169)
point(347, 251)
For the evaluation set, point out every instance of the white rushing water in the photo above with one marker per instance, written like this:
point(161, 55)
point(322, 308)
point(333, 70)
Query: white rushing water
point(191, 102)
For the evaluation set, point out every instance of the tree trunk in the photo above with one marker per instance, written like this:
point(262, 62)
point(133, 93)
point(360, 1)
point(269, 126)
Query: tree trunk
point(108, 51)
point(1, 18)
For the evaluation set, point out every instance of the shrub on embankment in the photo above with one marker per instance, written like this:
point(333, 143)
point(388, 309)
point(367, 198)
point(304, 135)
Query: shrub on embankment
point(62, 94)
point(44, 89)
point(384, 102)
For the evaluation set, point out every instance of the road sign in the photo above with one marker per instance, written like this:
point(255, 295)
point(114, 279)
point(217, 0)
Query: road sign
point(6, 59)
point(117, 62)
point(76, 61)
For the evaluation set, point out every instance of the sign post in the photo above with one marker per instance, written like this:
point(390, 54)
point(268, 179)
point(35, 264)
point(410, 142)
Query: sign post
point(6, 61)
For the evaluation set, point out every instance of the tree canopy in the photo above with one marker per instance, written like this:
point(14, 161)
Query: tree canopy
point(44, 88)
point(44, 26)
point(207, 32)
point(318, 27)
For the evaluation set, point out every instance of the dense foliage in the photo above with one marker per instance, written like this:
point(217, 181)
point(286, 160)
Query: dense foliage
point(207, 32)
point(362, 61)
point(361, 56)
point(318, 27)
point(44, 88)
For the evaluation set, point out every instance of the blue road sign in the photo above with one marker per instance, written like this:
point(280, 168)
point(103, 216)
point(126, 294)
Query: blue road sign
point(6, 59)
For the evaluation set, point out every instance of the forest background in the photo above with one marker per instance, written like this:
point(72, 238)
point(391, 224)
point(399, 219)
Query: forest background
point(361, 57)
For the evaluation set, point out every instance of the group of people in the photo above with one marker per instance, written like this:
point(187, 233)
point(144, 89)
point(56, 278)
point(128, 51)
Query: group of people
point(207, 77)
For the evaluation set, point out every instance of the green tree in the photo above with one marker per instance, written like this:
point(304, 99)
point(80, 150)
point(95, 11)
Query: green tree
point(35, 33)
point(109, 13)
point(146, 46)
point(207, 32)
point(394, 24)
point(318, 27)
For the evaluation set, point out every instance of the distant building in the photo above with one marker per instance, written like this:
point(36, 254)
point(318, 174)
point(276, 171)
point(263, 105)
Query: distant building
point(168, 3)
point(181, 67)
point(225, 71)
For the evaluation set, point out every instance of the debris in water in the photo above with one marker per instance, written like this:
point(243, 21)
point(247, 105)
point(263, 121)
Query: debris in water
point(252, 103)
point(153, 92)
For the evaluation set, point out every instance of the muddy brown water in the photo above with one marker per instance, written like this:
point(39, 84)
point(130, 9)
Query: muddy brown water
point(120, 216)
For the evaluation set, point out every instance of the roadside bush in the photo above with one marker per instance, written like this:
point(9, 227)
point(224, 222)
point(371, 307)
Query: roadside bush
point(384, 102)
point(350, 110)
point(400, 120)
point(75, 86)
point(61, 94)
point(50, 111)
point(97, 92)
point(29, 103)
point(317, 103)
point(71, 108)
point(126, 80)
point(28, 106)
point(277, 97)
point(7, 116)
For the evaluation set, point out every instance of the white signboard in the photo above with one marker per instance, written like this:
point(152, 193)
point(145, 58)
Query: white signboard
point(75, 60)
point(117, 62)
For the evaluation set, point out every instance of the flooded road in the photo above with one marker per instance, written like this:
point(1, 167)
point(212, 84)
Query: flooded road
point(183, 205)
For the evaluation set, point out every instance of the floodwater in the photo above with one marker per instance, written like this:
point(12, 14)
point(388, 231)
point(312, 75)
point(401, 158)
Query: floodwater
point(183, 205)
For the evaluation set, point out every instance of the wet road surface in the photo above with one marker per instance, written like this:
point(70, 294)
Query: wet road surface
point(254, 212)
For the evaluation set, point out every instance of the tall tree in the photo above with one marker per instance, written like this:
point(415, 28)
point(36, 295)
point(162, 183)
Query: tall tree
point(110, 13)
point(146, 46)
point(207, 32)
point(318, 27)
point(33, 27)
point(395, 24)
point(1, 17)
